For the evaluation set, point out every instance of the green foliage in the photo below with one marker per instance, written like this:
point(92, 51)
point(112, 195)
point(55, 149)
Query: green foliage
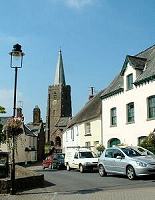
point(47, 147)
point(12, 127)
point(149, 142)
point(100, 148)
point(2, 135)
point(2, 109)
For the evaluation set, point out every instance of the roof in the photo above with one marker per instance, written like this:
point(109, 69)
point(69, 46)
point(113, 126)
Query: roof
point(3, 120)
point(33, 129)
point(63, 121)
point(91, 110)
point(115, 86)
point(144, 61)
point(59, 74)
point(136, 62)
point(149, 72)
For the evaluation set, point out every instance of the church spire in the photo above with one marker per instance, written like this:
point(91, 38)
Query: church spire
point(59, 74)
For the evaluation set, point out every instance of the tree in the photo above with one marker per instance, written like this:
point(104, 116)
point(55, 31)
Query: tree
point(100, 148)
point(2, 109)
point(149, 142)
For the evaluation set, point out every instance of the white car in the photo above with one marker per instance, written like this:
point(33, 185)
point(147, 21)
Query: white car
point(80, 158)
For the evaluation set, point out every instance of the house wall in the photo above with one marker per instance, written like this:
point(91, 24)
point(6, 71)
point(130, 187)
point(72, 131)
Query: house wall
point(75, 136)
point(22, 156)
point(71, 137)
point(95, 133)
point(125, 132)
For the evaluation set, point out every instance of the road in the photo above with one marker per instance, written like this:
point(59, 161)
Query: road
point(64, 185)
point(74, 182)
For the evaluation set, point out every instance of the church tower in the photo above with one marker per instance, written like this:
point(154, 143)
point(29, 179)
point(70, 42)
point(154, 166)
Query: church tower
point(59, 108)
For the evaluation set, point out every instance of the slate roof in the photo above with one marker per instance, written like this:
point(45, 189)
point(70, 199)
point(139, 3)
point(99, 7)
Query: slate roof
point(144, 61)
point(91, 110)
point(63, 121)
point(32, 129)
point(149, 72)
point(59, 74)
point(3, 120)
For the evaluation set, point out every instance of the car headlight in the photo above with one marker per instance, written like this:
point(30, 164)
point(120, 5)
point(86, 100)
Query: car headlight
point(141, 164)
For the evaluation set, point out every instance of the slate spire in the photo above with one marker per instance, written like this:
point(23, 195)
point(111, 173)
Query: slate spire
point(59, 74)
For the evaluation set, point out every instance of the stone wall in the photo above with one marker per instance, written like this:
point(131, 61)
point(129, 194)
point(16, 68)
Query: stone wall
point(25, 179)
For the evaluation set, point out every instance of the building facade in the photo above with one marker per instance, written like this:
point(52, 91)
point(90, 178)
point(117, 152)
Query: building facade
point(128, 103)
point(37, 129)
point(85, 128)
point(59, 108)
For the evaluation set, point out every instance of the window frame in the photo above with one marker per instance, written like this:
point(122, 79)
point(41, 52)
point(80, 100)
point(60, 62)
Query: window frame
point(113, 116)
point(150, 108)
point(87, 128)
point(129, 81)
point(130, 113)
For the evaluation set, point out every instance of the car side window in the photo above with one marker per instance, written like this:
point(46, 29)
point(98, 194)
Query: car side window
point(76, 155)
point(117, 152)
point(109, 153)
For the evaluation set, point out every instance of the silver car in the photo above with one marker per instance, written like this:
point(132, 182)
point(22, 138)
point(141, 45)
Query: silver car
point(126, 161)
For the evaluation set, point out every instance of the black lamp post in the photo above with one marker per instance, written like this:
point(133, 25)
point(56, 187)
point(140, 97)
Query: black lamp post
point(16, 62)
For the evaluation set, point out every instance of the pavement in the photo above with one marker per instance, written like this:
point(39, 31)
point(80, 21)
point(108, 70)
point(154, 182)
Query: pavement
point(121, 194)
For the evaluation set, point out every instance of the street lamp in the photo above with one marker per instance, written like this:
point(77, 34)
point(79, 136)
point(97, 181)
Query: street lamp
point(16, 62)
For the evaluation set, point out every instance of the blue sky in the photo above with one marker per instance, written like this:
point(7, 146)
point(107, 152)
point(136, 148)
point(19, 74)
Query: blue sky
point(94, 35)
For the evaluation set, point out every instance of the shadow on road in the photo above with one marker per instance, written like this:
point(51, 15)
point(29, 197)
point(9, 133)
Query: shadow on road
point(46, 184)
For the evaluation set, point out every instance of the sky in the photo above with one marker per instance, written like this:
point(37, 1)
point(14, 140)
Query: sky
point(94, 35)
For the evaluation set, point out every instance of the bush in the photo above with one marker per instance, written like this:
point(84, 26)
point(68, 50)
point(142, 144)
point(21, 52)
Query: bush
point(100, 148)
point(149, 142)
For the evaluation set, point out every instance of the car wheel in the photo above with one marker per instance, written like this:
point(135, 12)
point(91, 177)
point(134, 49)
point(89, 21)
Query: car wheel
point(81, 168)
point(130, 172)
point(102, 171)
point(68, 167)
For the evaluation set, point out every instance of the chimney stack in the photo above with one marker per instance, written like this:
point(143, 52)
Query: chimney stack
point(91, 93)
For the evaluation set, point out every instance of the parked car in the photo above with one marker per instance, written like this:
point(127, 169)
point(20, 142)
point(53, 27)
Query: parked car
point(55, 161)
point(59, 160)
point(80, 158)
point(126, 161)
point(47, 163)
point(143, 151)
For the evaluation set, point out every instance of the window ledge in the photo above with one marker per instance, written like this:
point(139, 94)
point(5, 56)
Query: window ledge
point(88, 134)
point(129, 89)
point(149, 119)
point(130, 122)
point(113, 125)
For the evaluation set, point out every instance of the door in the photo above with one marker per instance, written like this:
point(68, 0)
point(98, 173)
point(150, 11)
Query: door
point(109, 161)
point(120, 163)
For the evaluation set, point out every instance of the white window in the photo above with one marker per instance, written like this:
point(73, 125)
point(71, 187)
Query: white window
point(87, 128)
point(72, 134)
point(87, 144)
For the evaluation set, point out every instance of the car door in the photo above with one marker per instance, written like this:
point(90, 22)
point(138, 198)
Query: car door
point(120, 161)
point(76, 160)
point(109, 161)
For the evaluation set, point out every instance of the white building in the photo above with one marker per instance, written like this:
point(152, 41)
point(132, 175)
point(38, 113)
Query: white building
point(128, 103)
point(85, 129)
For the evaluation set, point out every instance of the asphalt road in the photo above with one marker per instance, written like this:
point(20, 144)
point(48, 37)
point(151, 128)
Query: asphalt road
point(74, 182)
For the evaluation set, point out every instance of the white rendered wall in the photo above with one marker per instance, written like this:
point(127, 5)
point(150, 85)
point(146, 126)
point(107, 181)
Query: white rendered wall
point(80, 138)
point(128, 133)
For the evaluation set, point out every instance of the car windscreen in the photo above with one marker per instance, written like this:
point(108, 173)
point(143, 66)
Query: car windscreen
point(130, 152)
point(60, 156)
point(86, 155)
